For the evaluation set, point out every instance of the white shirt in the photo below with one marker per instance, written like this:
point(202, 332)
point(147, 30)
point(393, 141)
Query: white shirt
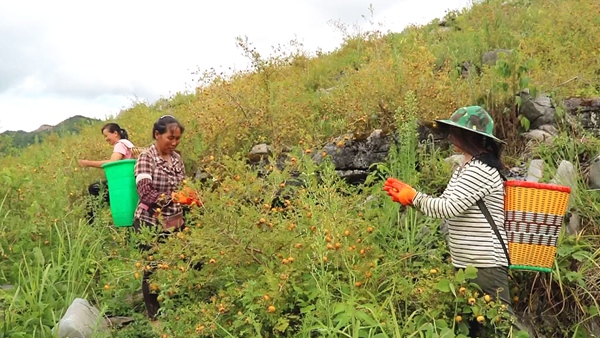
point(471, 239)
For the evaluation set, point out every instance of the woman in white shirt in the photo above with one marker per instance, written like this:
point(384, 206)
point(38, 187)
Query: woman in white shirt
point(471, 238)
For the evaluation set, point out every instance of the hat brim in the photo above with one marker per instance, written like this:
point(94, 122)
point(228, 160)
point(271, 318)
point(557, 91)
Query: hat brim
point(451, 123)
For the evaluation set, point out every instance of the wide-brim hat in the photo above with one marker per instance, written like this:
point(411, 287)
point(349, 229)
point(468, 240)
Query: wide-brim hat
point(472, 118)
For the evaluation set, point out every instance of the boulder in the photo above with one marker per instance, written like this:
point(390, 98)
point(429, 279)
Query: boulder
point(539, 110)
point(353, 157)
point(82, 320)
point(491, 57)
point(585, 112)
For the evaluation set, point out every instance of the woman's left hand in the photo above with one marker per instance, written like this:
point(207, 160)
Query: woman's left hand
point(83, 163)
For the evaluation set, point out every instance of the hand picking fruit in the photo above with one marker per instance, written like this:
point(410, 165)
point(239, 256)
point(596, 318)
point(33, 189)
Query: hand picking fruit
point(399, 191)
point(186, 196)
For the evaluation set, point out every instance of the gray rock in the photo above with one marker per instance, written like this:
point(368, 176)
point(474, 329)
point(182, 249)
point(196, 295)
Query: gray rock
point(353, 157)
point(594, 174)
point(82, 320)
point(538, 135)
point(549, 128)
point(260, 151)
point(120, 321)
point(491, 57)
point(539, 110)
point(535, 171)
point(517, 173)
point(567, 175)
point(586, 112)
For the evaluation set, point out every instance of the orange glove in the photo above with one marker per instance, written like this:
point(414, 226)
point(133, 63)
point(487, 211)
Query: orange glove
point(399, 191)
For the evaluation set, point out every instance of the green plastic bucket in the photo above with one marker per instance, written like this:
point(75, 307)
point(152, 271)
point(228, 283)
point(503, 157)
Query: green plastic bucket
point(122, 191)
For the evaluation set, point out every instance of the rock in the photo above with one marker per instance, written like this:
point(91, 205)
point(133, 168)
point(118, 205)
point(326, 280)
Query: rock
point(594, 174)
point(585, 111)
point(82, 320)
point(491, 57)
point(352, 158)
point(567, 176)
point(467, 68)
point(539, 110)
point(538, 135)
point(535, 171)
point(259, 152)
point(119, 321)
point(549, 128)
point(517, 173)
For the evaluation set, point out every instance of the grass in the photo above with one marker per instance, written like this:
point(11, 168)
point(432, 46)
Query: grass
point(329, 258)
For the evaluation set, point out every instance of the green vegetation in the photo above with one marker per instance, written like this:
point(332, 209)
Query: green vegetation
point(329, 259)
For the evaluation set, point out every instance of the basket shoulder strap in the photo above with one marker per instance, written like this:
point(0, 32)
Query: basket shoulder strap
point(489, 218)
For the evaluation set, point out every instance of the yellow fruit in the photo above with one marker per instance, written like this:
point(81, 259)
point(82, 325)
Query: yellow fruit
point(433, 271)
point(480, 319)
point(106, 287)
point(462, 290)
point(487, 298)
point(266, 297)
point(471, 300)
point(458, 319)
point(271, 309)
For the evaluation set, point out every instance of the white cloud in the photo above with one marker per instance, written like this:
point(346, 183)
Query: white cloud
point(62, 58)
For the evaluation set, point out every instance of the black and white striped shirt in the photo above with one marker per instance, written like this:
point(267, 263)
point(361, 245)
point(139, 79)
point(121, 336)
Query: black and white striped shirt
point(471, 239)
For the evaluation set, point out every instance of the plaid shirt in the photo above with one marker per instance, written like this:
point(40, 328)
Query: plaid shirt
point(155, 177)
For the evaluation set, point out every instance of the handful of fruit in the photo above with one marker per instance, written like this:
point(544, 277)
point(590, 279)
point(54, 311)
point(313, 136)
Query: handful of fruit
point(186, 196)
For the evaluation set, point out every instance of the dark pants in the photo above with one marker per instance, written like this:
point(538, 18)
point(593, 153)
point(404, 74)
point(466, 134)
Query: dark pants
point(99, 192)
point(150, 298)
point(494, 282)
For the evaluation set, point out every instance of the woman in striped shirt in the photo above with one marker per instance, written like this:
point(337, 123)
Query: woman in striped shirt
point(471, 238)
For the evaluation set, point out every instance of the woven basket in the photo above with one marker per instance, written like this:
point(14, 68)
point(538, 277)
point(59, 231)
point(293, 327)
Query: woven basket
point(534, 215)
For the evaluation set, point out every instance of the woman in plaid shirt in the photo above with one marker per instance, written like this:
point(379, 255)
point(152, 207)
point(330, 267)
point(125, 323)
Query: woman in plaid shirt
point(159, 171)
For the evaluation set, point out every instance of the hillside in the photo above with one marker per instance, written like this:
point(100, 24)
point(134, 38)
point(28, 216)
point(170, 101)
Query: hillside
point(12, 142)
point(291, 250)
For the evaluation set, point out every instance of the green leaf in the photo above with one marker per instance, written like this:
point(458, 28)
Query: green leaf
point(524, 122)
point(593, 311)
point(580, 255)
point(444, 285)
point(441, 323)
point(447, 333)
point(471, 272)
point(573, 276)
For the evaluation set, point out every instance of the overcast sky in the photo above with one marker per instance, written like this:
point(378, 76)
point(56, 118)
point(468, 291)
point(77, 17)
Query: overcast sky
point(63, 58)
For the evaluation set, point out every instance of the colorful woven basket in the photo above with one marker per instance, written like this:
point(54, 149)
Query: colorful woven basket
point(534, 215)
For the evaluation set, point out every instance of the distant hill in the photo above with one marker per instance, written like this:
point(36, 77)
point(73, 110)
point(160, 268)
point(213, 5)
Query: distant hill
point(12, 142)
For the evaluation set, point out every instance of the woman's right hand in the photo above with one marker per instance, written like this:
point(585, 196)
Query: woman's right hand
point(186, 196)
